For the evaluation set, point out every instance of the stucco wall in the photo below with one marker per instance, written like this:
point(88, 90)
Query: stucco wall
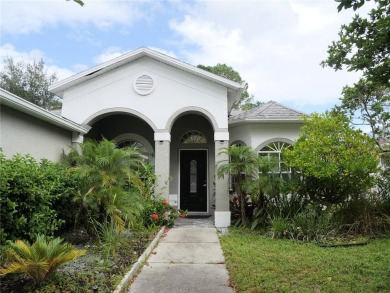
point(174, 90)
point(21, 133)
point(257, 134)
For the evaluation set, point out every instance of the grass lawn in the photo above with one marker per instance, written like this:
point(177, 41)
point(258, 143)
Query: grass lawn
point(260, 264)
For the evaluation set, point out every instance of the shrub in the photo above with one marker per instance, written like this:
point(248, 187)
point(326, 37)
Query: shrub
point(105, 172)
point(335, 161)
point(36, 198)
point(39, 260)
point(158, 212)
point(313, 224)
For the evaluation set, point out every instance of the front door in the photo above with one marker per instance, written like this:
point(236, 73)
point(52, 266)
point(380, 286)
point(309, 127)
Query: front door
point(193, 180)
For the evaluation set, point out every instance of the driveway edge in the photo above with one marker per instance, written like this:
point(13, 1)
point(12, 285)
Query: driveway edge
point(138, 265)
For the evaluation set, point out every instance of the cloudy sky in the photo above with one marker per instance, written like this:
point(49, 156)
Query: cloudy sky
point(275, 45)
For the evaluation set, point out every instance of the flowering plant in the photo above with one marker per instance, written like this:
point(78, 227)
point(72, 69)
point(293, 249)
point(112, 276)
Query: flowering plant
point(158, 212)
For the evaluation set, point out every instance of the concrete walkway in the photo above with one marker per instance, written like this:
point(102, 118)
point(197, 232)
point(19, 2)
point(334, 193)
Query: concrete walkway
point(187, 259)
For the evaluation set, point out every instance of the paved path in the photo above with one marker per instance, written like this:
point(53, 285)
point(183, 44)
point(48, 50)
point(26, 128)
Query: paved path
point(187, 259)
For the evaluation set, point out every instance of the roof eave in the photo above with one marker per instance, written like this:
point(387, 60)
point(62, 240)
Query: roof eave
point(59, 87)
point(17, 103)
point(266, 121)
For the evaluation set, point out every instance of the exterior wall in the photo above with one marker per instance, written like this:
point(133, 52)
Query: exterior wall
point(174, 90)
point(256, 135)
point(23, 134)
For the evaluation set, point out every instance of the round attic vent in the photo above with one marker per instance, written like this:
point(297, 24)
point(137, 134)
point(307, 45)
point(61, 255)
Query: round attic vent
point(144, 84)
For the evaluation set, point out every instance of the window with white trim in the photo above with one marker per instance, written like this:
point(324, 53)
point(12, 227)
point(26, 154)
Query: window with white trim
point(274, 150)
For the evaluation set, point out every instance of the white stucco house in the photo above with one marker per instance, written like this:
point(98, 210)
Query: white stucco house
point(177, 113)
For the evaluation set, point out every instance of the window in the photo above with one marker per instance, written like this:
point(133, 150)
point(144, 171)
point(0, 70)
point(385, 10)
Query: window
point(274, 150)
point(193, 176)
point(193, 136)
point(135, 144)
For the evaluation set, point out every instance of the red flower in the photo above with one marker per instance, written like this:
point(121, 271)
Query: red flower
point(165, 202)
point(183, 216)
point(155, 217)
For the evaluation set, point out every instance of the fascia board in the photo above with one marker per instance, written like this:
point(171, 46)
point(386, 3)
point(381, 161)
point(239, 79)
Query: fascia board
point(17, 103)
point(59, 87)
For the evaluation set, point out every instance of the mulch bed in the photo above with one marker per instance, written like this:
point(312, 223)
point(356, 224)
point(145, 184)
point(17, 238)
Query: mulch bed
point(88, 271)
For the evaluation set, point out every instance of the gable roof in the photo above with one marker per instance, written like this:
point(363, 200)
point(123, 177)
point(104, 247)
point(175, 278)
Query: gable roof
point(20, 104)
point(269, 112)
point(59, 87)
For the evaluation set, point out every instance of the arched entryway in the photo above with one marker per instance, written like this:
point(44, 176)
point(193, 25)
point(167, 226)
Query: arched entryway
point(126, 130)
point(192, 155)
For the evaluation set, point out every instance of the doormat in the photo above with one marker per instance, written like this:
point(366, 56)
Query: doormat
point(198, 216)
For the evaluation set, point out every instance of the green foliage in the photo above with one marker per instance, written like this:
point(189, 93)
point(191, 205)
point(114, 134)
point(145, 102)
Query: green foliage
point(81, 3)
point(346, 4)
point(39, 260)
point(363, 44)
point(158, 212)
point(335, 161)
point(29, 80)
point(246, 101)
point(239, 160)
point(109, 238)
point(35, 197)
point(105, 194)
point(370, 105)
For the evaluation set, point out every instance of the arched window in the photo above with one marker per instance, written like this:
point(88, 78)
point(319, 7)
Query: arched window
point(135, 144)
point(274, 150)
point(193, 136)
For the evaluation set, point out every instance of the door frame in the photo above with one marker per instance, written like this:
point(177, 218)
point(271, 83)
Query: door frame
point(207, 212)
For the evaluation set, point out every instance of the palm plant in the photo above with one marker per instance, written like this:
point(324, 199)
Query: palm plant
point(241, 161)
point(39, 260)
point(106, 172)
point(262, 177)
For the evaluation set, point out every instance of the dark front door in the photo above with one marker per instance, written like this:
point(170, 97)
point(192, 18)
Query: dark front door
point(193, 180)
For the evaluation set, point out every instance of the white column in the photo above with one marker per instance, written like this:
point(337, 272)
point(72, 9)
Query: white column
point(222, 212)
point(162, 163)
point(77, 139)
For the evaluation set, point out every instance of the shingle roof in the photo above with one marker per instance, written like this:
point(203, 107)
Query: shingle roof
point(270, 111)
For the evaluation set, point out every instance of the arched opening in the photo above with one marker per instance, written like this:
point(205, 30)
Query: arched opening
point(125, 130)
point(192, 155)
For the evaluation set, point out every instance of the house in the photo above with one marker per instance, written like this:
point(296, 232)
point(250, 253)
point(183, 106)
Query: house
point(177, 114)
point(28, 129)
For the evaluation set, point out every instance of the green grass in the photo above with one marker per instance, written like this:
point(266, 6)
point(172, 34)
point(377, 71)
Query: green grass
point(260, 264)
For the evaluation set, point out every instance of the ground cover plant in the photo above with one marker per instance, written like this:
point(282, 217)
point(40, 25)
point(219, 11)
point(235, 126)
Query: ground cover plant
point(92, 269)
point(259, 264)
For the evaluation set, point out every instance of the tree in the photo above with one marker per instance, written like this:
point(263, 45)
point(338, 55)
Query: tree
point(364, 44)
point(335, 161)
point(241, 160)
point(29, 80)
point(106, 172)
point(246, 101)
point(81, 3)
point(371, 105)
point(346, 4)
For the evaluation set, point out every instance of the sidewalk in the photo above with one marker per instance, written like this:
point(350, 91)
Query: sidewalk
point(187, 259)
